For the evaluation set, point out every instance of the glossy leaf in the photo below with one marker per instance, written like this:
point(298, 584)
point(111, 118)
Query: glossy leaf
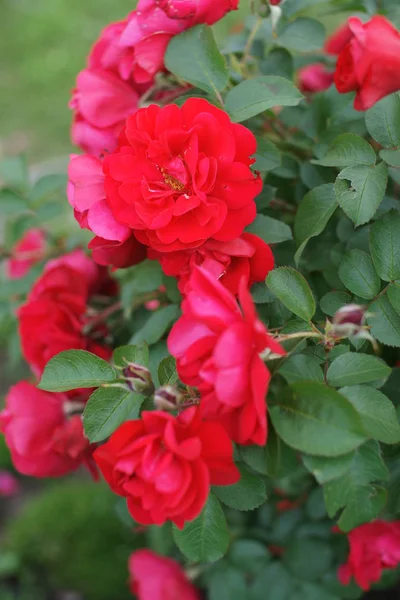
point(352, 369)
point(74, 369)
point(384, 244)
point(358, 274)
point(293, 291)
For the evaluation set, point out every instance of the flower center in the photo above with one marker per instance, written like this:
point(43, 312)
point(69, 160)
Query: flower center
point(173, 183)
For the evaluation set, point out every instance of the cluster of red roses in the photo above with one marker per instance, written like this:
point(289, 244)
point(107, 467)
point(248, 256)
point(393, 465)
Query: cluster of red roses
point(365, 65)
point(44, 431)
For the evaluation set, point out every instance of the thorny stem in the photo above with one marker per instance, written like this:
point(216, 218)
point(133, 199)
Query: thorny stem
point(382, 293)
point(300, 334)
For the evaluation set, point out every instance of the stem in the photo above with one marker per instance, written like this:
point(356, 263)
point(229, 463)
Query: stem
point(382, 293)
point(250, 40)
point(299, 334)
point(282, 205)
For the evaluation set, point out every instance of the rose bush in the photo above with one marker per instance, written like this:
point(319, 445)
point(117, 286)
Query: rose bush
point(225, 348)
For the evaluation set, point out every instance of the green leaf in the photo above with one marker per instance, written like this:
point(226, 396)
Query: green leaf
point(254, 96)
point(227, 583)
point(194, 57)
point(167, 374)
point(317, 420)
point(303, 35)
point(391, 157)
point(377, 412)
point(394, 295)
point(74, 369)
point(46, 187)
point(300, 367)
point(383, 121)
point(358, 274)
point(206, 538)
point(11, 203)
point(131, 354)
point(384, 322)
point(106, 409)
point(313, 214)
point(326, 469)
point(247, 494)
point(141, 279)
point(14, 172)
point(332, 301)
point(249, 556)
point(270, 230)
point(348, 150)
point(267, 156)
point(255, 457)
point(293, 291)
point(275, 581)
point(156, 326)
point(354, 492)
point(360, 189)
point(384, 243)
point(308, 559)
point(352, 368)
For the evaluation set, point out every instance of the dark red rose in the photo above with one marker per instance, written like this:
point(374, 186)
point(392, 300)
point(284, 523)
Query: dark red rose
point(164, 465)
point(43, 441)
point(54, 317)
point(370, 63)
point(217, 347)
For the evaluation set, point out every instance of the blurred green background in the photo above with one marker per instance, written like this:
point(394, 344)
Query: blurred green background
point(43, 45)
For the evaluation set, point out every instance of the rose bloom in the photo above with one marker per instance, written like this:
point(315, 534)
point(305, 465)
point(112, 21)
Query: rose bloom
point(373, 547)
point(247, 257)
point(315, 78)
point(43, 442)
point(101, 101)
point(26, 253)
point(136, 47)
point(338, 40)
point(217, 347)
point(154, 577)
point(54, 317)
point(9, 485)
point(180, 177)
point(164, 465)
point(370, 63)
point(114, 243)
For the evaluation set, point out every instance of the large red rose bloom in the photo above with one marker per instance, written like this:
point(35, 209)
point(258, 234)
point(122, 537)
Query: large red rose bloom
point(182, 176)
point(164, 465)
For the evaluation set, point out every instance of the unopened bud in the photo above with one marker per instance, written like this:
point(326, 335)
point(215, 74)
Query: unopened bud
point(168, 398)
point(138, 379)
point(351, 314)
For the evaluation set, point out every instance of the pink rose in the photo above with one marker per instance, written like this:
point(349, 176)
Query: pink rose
point(42, 440)
point(154, 577)
point(26, 253)
point(315, 78)
point(217, 346)
point(9, 485)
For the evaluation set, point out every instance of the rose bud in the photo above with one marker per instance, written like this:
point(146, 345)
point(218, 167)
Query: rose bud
point(351, 314)
point(138, 379)
point(168, 398)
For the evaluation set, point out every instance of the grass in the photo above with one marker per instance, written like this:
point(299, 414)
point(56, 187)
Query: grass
point(43, 45)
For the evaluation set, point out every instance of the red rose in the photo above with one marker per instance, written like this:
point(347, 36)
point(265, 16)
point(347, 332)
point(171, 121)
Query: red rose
point(247, 257)
point(114, 243)
point(101, 101)
point(370, 63)
point(164, 465)
point(54, 317)
point(217, 348)
point(181, 176)
point(152, 25)
point(26, 253)
point(42, 441)
point(338, 40)
point(315, 78)
point(373, 547)
point(154, 577)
